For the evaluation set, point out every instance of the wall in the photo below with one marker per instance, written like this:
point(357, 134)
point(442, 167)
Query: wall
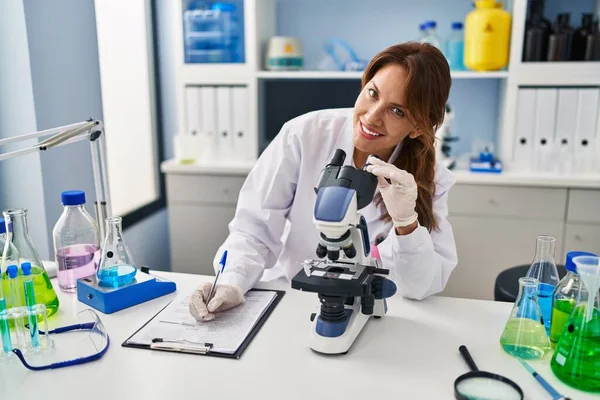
point(66, 87)
point(20, 178)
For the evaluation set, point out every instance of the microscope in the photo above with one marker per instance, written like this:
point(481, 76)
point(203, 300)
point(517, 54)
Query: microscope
point(443, 138)
point(350, 284)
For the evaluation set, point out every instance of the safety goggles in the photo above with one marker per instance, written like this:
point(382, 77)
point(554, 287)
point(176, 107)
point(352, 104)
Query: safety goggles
point(92, 345)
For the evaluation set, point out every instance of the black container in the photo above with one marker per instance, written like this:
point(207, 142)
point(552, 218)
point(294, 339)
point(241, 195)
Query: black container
point(580, 37)
point(537, 34)
point(592, 48)
point(561, 39)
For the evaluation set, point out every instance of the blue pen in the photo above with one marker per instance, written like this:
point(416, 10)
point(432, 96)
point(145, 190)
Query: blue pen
point(30, 303)
point(555, 395)
point(214, 286)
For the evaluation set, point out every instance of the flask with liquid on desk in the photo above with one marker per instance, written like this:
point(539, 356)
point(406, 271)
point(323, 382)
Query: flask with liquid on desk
point(16, 218)
point(116, 267)
point(577, 355)
point(76, 241)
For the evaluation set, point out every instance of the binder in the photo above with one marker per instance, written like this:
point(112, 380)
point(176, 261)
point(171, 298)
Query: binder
point(224, 123)
point(585, 133)
point(193, 110)
point(208, 121)
point(544, 129)
point(206, 349)
point(566, 121)
point(523, 146)
point(242, 143)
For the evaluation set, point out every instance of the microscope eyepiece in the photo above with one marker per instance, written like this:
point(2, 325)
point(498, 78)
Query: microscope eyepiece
point(338, 158)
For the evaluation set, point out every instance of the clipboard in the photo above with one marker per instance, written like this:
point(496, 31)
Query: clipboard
point(206, 350)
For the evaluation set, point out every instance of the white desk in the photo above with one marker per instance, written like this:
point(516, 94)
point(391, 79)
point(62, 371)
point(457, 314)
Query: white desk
point(412, 353)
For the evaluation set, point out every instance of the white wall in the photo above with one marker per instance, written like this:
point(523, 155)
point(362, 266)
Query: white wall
point(20, 178)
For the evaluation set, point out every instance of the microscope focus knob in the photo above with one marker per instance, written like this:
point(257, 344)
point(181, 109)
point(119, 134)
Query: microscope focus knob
point(383, 288)
point(321, 251)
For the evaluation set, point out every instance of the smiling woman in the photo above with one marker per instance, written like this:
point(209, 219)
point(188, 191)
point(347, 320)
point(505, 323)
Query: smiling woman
point(391, 128)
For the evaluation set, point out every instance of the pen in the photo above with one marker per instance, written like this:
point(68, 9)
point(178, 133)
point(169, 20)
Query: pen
point(183, 346)
point(30, 303)
point(214, 286)
point(555, 395)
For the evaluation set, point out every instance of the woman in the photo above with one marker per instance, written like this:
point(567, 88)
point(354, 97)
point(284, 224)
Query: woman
point(401, 104)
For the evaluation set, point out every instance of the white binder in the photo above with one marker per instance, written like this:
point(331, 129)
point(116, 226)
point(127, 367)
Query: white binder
point(208, 122)
point(586, 130)
point(544, 130)
point(523, 146)
point(242, 142)
point(193, 110)
point(566, 121)
point(224, 123)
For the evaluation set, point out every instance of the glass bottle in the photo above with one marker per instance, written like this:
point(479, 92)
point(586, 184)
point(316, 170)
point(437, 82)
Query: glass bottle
point(116, 267)
point(76, 241)
point(543, 268)
point(524, 334)
point(44, 292)
point(565, 296)
point(576, 359)
point(455, 47)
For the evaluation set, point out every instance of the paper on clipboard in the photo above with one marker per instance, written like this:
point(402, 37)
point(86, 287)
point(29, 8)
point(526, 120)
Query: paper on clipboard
point(226, 332)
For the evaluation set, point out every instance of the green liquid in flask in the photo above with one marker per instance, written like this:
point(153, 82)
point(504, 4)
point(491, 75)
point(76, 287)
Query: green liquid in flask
point(42, 287)
point(560, 315)
point(576, 360)
point(525, 338)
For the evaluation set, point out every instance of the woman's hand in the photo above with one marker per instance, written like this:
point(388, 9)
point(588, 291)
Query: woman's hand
point(399, 191)
point(225, 297)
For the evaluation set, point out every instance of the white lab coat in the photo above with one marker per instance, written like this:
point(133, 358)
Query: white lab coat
point(273, 232)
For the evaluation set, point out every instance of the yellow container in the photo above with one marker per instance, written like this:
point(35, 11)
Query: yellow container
point(487, 36)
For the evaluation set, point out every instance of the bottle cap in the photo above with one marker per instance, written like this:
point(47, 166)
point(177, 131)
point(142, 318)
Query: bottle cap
point(73, 197)
point(570, 265)
point(457, 25)
point(12, 271)
point(26, 268)
point(430, 24)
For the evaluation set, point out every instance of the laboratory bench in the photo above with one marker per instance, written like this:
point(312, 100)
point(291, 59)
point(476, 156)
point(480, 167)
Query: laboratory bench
point(495, 218)
point(411, 353)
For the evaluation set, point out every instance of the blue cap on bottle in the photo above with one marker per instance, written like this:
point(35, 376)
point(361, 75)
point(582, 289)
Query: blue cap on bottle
point(457, 25)
point(430, 24)
point(223, 7)
point(2, 226)
point(12, 271)
point(73, 197)
point(26, 268)
point(570, 265)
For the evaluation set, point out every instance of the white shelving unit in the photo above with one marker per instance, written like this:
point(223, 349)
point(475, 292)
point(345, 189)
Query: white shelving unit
point(260, 25)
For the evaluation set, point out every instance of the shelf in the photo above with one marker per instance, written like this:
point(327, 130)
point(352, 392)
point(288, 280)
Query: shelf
point(558, 73)
point(357, 75)
point(206, 74)
point(531, 179)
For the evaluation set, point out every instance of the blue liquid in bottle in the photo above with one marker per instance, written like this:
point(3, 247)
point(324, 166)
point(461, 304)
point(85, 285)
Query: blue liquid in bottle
point(455, 48)
point(116, 276)
point(545, 296)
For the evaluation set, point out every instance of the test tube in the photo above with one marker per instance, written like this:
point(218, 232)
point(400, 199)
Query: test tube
point(4, 328)
point(30, 303)
point(12, 271)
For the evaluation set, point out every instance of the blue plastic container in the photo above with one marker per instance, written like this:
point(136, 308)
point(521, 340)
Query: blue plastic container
point(455, 47)
point(213, 33)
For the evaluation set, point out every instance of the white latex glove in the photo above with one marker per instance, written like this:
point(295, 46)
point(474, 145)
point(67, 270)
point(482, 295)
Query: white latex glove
point(225, 297)
point(399, 193)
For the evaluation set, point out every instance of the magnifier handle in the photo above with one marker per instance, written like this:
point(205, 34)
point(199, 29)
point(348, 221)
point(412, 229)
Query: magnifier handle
point(467, 357)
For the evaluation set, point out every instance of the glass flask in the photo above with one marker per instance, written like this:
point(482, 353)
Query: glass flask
point(524, 334)
point(543, 268)
point(76, 241)
point(565, 296)
point(44, 292)
point(116, 266)
point(576, 360)
point(11, 253)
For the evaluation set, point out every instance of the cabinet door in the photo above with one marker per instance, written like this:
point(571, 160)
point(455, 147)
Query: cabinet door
point(487, 246)
point(197, 231)
point(583, 238)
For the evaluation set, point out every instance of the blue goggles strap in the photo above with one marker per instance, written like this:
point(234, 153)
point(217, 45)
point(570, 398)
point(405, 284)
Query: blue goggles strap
point(69, 363)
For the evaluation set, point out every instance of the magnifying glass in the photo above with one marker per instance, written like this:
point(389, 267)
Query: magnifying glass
point(481, 385)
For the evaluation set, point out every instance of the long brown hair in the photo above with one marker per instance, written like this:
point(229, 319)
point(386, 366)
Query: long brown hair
point(427, 88)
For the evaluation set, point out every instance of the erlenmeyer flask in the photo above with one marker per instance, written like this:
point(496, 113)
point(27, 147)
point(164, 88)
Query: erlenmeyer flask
point(116, 267)
point(44, 292)
point(543, 268)
point(524, 334)
point(576, 360)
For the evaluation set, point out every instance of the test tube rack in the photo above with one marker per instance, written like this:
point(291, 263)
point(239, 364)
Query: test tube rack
point(15, 332)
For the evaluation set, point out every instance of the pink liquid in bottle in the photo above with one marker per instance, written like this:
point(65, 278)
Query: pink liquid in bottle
point(74, 262)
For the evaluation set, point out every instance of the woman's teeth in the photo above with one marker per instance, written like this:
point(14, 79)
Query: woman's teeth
point(368, 132)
